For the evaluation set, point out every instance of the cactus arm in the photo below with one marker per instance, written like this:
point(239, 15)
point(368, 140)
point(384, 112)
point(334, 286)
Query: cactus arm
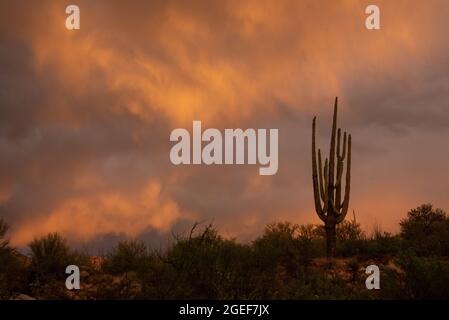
point(341, 157)
point(339, 171)
point(326, 175)
point(319, 210)
point(344, 209)
point(332, 155)
point(338, 142)
point(338, 203)
point(320, 177)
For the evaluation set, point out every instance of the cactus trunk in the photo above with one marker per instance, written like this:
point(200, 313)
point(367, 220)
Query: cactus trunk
point(327, 182)
point(331, 240)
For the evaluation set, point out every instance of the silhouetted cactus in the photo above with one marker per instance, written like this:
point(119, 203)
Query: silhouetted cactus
point(327, 183)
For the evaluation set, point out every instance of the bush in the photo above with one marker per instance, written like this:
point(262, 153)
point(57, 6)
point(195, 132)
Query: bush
point(382, 244)
point(125, 257)
point(425, 278)
point(351, 238)
point(201, 266)
point(352, 241)
point(349, 231)
point(310, 243)
point(11, 268)
point(4, 243)
point(283, 247)
point(207, 266)
point(279, 241)
point(50, 255)
point(426, 231)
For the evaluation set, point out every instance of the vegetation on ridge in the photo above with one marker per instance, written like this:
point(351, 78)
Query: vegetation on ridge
point(287, 261)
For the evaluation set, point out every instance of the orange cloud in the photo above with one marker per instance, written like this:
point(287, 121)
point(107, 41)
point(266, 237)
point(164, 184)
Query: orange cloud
point(83, 219)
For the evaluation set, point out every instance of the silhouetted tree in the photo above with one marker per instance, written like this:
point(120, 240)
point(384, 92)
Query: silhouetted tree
point(426, 231)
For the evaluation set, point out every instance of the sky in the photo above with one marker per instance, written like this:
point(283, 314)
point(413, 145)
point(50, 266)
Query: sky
point(86, 115)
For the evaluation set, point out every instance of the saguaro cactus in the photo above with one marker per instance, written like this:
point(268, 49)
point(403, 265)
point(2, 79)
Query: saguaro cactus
point(327, 184)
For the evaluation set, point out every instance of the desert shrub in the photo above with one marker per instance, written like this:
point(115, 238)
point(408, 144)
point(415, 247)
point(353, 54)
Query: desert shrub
point(12, 270)
point(288, 241)
point(129, 255)
point(4, 243)
point(391, 284)
point(50, 255)
point(426, 231)
point(274, 260)
point(311, 243)
point(425, 277)
point(158, 279)
point(350, 238)
point(12, 275)
point(282, 261)
point(123, 287)
point(281, 247)
point(279, 242)
point(382, 244)
point(349, 230)
point(352, 241)
point(318, 284)
point(206, 266)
